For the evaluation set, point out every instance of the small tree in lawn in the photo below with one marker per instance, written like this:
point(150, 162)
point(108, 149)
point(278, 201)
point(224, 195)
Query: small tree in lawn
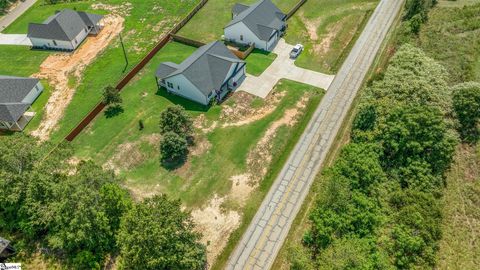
point(466, 102)
point(111, 96)
point(173, 147)
point(175, 119)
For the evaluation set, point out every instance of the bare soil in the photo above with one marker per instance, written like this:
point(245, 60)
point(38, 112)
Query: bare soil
point(216, 226)
point(58, 67)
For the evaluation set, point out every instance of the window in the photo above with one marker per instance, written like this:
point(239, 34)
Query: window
point(163, 81)
point(54, 43)
point(170, 85)
point(178, 87)
point(75, 40)
point(241, 37)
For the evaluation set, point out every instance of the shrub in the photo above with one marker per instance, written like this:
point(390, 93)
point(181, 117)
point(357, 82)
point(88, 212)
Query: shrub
point(173, 148)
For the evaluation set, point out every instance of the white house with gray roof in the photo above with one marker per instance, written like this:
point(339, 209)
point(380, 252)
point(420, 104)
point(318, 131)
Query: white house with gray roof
point(64, 31)
point(262, 23)
point(210, 72)
point(16, 96)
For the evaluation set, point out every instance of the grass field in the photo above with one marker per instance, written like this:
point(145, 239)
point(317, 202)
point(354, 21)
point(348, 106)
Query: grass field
point(459, 247)
point(106, 138)
point(328, 30)
point(208, 24)
point(143, 27)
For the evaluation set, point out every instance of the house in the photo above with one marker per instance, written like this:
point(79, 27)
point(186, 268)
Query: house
point(6, 250)
point(210, 72)
point(261, 24)
point(16, 96)
point(64, 31)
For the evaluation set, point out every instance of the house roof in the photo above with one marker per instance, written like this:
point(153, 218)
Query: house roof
point(3, 244)
point(207, 68)
point(64, 25)
point(262, 18)
point(13, 91)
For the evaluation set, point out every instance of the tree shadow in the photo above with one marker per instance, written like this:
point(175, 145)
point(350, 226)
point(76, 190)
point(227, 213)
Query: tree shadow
point(171, 165)
point(113, 111)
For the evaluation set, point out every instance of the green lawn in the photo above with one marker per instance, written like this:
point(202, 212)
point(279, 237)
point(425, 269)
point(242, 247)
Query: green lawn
point(258, 61)
point(208, 24)
point(38, 106)
point(327, 29)
point(208, 173)
point(144, 24)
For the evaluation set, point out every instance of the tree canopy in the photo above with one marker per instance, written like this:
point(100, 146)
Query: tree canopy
point(160, 223)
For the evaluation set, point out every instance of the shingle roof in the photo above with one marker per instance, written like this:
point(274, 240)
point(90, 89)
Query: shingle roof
point(64, 25)
point(13, 91)
point(207, 68)
point(3, 244)
point(262, 18)
point(239, 8)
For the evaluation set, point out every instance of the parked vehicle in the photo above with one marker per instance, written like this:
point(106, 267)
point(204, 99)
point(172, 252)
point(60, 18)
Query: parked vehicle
point(296, 51)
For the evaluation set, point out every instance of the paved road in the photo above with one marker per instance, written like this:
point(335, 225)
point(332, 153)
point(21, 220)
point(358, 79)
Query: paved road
point(15, 13)
point(265, 235)
point(283, 67)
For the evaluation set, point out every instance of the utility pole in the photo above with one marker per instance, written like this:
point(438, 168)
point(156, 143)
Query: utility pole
point(124, 52)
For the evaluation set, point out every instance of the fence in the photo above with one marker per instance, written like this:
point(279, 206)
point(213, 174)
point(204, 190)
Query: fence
point(187, 41)
point(100, 106)
point(243, 54)
point(296, 8)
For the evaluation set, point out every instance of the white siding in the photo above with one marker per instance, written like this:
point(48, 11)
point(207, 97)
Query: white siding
point(187, 89)
point(61, 45)
point(238, 76)
point(235, 31)
point(30, 98)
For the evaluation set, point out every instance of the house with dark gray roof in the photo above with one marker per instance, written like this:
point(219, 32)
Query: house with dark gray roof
point(6, 250)
point(209, 73)
point(16, 96)
point(64, 30)
point(261, 24)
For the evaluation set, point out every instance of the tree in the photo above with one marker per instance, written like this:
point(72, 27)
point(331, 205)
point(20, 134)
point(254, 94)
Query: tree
point(111, 96)
point(175, 119)
point(173, 148)
point(156, 234)
point(466, 103)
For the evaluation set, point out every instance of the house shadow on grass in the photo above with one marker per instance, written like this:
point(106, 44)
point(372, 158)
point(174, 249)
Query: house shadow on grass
point(178, 100)
point(113, 111)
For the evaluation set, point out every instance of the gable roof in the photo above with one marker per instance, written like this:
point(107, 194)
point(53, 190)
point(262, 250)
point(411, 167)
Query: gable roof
point(239, 8)
point(262, 18)
point(64, 25)
point(207, 68)
point(13, 91)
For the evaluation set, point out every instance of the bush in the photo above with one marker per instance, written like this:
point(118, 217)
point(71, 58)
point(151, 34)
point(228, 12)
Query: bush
point(175, 119)
point(111, 96)
point(466, 102)
point(173, 148)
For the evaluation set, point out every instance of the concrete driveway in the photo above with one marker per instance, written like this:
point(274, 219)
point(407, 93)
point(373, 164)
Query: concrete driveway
point(13, 39)
point(283, 68)
point(21, 7)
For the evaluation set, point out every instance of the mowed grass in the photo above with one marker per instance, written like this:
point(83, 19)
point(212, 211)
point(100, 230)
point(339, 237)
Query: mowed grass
point(208, 24)
point(328, 29)
point(205, 174)
point(145, 22)
point(258, 61)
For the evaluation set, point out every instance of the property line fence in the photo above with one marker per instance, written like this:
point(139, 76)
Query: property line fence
point(124, 81)
point(295, 8)
point(243, 54)
point(187, 41)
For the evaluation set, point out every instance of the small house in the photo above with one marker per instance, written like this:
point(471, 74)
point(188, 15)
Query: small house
point(262, 24)
point(64, 31)
point(6, 250)
point(16, 96)
point(209, 73)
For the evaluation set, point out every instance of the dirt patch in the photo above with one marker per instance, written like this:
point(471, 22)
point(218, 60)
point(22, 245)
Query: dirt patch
point(143, 192)
point(311, 25)
point(242, 112)
point(242, 186)
point(324, 46)
point(216, 226)
point(57, 69)
point(122, 10)
point(201, 123)
point(129, 155)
